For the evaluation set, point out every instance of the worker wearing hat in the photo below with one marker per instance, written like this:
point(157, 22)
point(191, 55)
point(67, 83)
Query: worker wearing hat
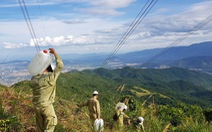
point(93, 106)
point(121, 116)
point(44, 88)
point(123, 102)
point(138, 124)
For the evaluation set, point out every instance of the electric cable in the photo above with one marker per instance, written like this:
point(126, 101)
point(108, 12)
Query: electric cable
point(41, 14)
point(125, 34)
point(129, 31)
point(29, 23)
point(176, 42)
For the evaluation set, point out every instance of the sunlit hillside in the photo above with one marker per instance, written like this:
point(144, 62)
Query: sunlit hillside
point(16, 110)
point(161, 111)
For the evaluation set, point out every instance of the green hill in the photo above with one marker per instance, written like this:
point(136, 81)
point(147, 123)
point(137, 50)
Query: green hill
point(159, 75)
point(168, 99)
point(138, 76)
point(179, 84)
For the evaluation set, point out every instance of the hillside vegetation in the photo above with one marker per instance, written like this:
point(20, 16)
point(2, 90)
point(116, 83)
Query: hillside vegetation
point(179, 84)
point(169, 100)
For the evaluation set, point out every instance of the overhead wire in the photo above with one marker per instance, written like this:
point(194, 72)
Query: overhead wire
point(3, 61)
point(122, 38)
point(125, 34)
point(141, 15)
point(176, 42)
point(29, 23)
point(41, 14)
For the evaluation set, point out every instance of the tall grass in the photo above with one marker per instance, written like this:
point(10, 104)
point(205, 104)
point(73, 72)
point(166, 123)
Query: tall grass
point(16, 112)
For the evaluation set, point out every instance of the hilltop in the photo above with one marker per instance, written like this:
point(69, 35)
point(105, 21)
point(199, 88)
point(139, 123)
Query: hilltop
point(196, 56)
point(168, 98)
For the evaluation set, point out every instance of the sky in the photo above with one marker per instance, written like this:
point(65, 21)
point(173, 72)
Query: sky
point(96, 26)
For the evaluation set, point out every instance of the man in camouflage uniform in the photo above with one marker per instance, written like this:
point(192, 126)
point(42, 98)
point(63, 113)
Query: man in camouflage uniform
point(44, 87)
point(93, 106)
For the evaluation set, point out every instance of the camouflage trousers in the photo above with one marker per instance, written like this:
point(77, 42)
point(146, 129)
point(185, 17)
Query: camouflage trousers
point(46, 119)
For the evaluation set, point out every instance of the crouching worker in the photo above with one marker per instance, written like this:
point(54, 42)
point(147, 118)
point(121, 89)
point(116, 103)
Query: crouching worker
point(44, 88)
point(120, 118)
point(138, 124)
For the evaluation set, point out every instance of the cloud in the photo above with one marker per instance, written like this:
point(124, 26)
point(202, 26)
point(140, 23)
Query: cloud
point(112, 3)
point(97, 3)
point(84, 33)
point(74, 21)
point(101, 11)
point(9, 45)
point(106, 7)
point(15, 3)
point(161, 30)
point(63, 41)
point(181, 22)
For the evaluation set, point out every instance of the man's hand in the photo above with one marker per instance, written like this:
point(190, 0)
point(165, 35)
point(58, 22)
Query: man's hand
point(128, 121)
point(52, 50)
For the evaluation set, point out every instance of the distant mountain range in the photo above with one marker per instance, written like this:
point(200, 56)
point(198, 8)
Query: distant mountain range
point(170, 54)
point(196, 56)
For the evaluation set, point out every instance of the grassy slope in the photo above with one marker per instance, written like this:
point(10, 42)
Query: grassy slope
point(76, 87)
point(19, 110)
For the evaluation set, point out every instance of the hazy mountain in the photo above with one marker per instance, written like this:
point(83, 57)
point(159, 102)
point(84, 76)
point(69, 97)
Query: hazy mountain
point(173, 56)
point(169, 54)
point(195, 56)
point(197, 63)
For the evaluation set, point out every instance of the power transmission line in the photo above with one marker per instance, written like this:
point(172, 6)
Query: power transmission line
point(125, 34)
point(29, 23)
point(176, 42)
point(147, 7)
point(41, 17)
point(4, 60)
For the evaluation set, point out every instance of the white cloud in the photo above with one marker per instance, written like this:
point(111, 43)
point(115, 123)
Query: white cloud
point(112, 3)
point(97, 3)
point(9, 45)
point(82, 34)
point(106, 7)
point(101, 11)
point(182, 22)
point(63, 41)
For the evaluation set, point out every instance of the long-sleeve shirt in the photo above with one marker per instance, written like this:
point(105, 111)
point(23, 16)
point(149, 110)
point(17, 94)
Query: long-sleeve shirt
point(121, 116)
point(44, 85)
point(93, 107)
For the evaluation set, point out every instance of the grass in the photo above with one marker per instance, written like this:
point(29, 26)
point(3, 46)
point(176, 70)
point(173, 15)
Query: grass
point(16, 112)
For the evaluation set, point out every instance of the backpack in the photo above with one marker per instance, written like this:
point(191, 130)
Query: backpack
point(115, 117)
